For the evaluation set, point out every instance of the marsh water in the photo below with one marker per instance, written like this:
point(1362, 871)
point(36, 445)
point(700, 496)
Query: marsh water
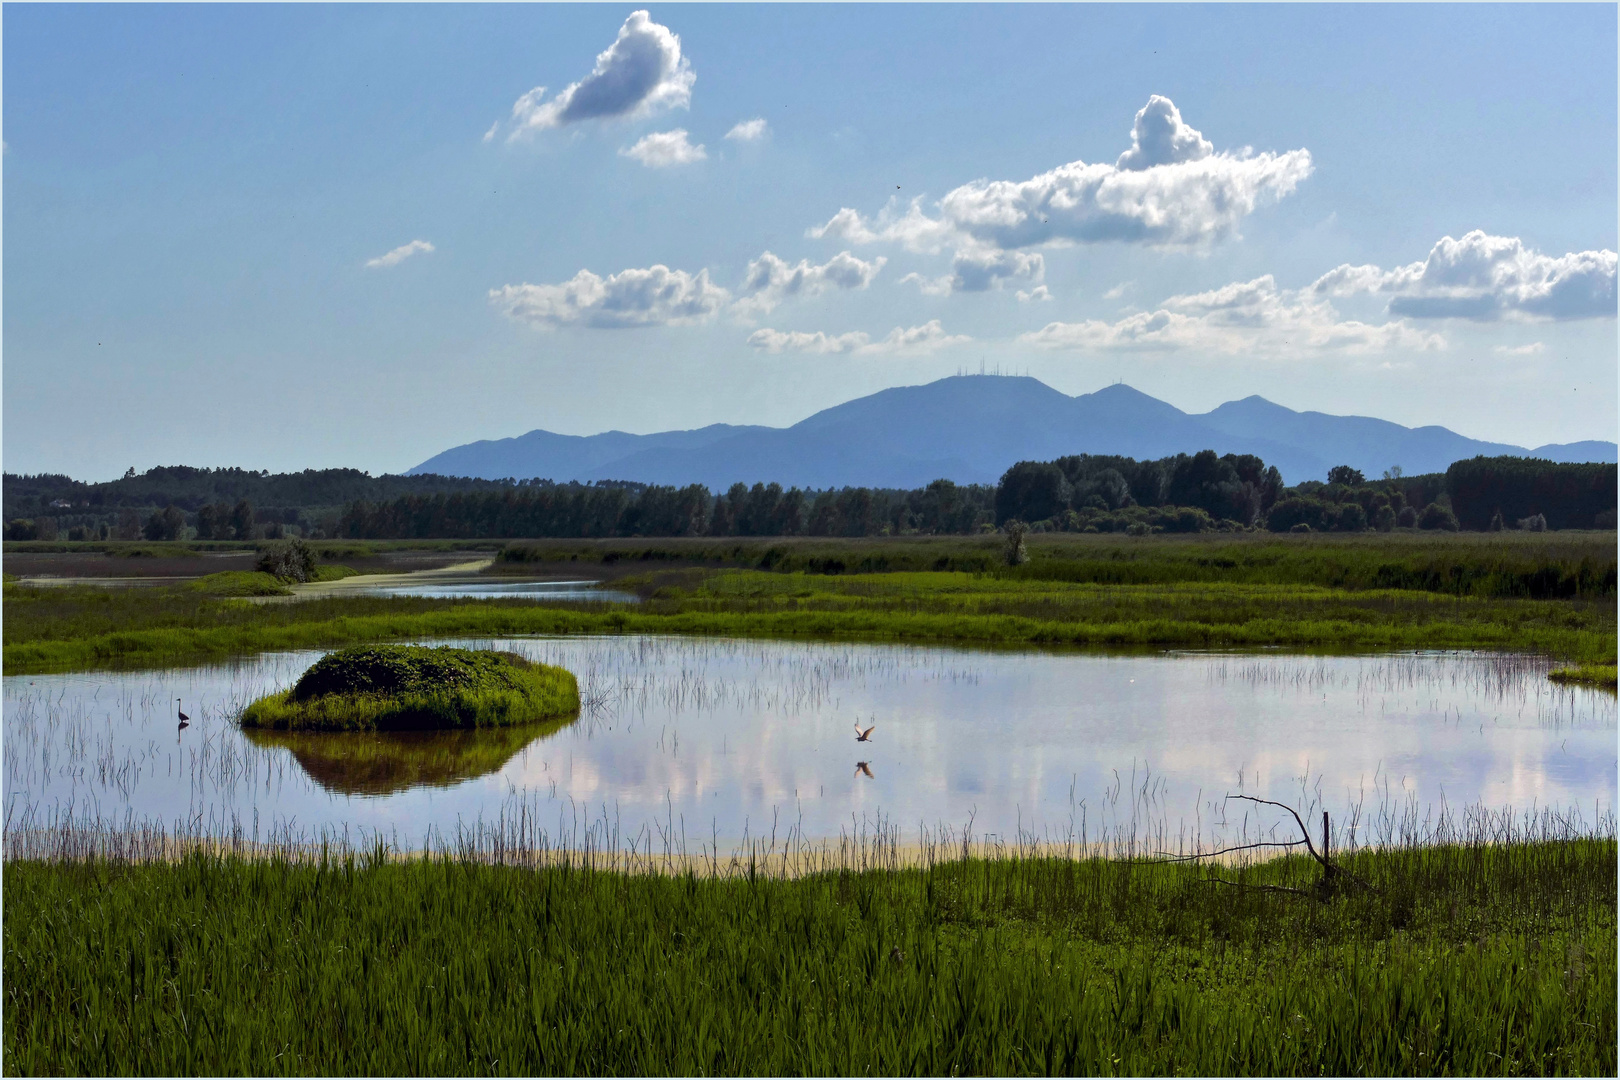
point(727, 739)
point(482, 588)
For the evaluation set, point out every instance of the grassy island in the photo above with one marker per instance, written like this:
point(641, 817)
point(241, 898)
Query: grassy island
point(413, 687)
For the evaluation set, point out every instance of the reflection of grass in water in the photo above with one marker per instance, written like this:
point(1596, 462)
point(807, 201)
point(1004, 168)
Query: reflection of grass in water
point(385, 762)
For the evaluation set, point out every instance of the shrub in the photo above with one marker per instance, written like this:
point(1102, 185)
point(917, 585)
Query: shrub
point(413, 687)
point(288, 560)
point(1383, 518)
point(1407, 518)
point(1352, 518)
point(1319, 515)
point(1185, 519)
point(1016, 553)
point(1534, 523)
point(1435, 516)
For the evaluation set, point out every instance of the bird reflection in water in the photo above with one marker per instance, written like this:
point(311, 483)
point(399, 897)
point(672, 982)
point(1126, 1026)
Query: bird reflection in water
point(863, 768)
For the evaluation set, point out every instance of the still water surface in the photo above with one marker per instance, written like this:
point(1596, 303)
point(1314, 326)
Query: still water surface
point(484, 589)
point(722, 738)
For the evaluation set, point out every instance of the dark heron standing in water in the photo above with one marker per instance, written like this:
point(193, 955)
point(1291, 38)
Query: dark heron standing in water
point(185, 721)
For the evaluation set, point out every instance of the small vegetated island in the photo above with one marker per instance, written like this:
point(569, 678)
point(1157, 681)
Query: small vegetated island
point(417, 688)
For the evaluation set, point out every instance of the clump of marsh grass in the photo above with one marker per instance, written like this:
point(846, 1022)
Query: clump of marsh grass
point(382, 687)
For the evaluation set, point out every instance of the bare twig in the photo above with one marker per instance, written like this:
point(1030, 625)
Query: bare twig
point(1167, 857)
point(1327, 867)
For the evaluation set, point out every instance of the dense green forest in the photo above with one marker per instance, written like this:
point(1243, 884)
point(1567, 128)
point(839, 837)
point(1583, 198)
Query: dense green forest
point(1081, 493)
point(122, 508)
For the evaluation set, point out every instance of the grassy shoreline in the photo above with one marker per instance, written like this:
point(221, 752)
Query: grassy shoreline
point(1463, 959)
point(159, 647)
point(1548, 594)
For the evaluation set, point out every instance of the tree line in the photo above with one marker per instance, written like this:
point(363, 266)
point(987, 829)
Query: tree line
point(626, 509)
point(1079, 493)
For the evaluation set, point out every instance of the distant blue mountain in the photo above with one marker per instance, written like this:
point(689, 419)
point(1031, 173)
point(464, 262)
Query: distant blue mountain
point(563, 457)
point(970, 428)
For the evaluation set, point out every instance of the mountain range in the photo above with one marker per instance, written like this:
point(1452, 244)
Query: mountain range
point(970, 429)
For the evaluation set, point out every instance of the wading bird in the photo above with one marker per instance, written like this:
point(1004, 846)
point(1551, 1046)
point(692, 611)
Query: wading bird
point(185, 721)
point(863, 769)
point(864, 736)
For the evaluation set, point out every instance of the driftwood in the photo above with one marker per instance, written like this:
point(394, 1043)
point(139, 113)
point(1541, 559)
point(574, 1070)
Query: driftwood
point(1334, 877)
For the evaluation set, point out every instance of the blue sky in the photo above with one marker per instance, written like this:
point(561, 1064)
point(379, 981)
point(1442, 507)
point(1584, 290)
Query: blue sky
point(305, 236)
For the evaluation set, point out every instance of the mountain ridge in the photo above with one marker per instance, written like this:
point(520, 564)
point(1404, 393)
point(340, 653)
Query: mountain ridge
point(970, 429)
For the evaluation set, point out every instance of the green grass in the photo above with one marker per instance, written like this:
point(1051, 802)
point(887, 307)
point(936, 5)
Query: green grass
point(1593, 674)
point(238, 583)
point(1472, 960)
point(411, 687)
point(78, 629)
point(1560, 565)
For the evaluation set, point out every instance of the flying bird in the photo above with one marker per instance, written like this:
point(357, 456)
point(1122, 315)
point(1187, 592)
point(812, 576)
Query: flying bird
point(862, 768)
point(185, 721)
point(864, 736)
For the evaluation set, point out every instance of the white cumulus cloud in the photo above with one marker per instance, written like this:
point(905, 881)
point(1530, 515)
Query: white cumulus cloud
point(1171, 188)
point(641, 73)
point(923, 339)
point(1535, 348)
point(1161, 137)
point(655, 296)
point(1484, 278)
point(749, 130)
point(665, 148)
point(771, 279)
point(399, 254)
point(1249, 317)
point(982, 269)
point(977, 271)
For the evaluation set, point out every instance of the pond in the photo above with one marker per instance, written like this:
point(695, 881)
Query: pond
point(725, 739)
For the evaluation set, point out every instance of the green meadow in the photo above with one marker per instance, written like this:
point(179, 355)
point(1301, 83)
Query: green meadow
point(1548, 593)
point(1472, 958)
